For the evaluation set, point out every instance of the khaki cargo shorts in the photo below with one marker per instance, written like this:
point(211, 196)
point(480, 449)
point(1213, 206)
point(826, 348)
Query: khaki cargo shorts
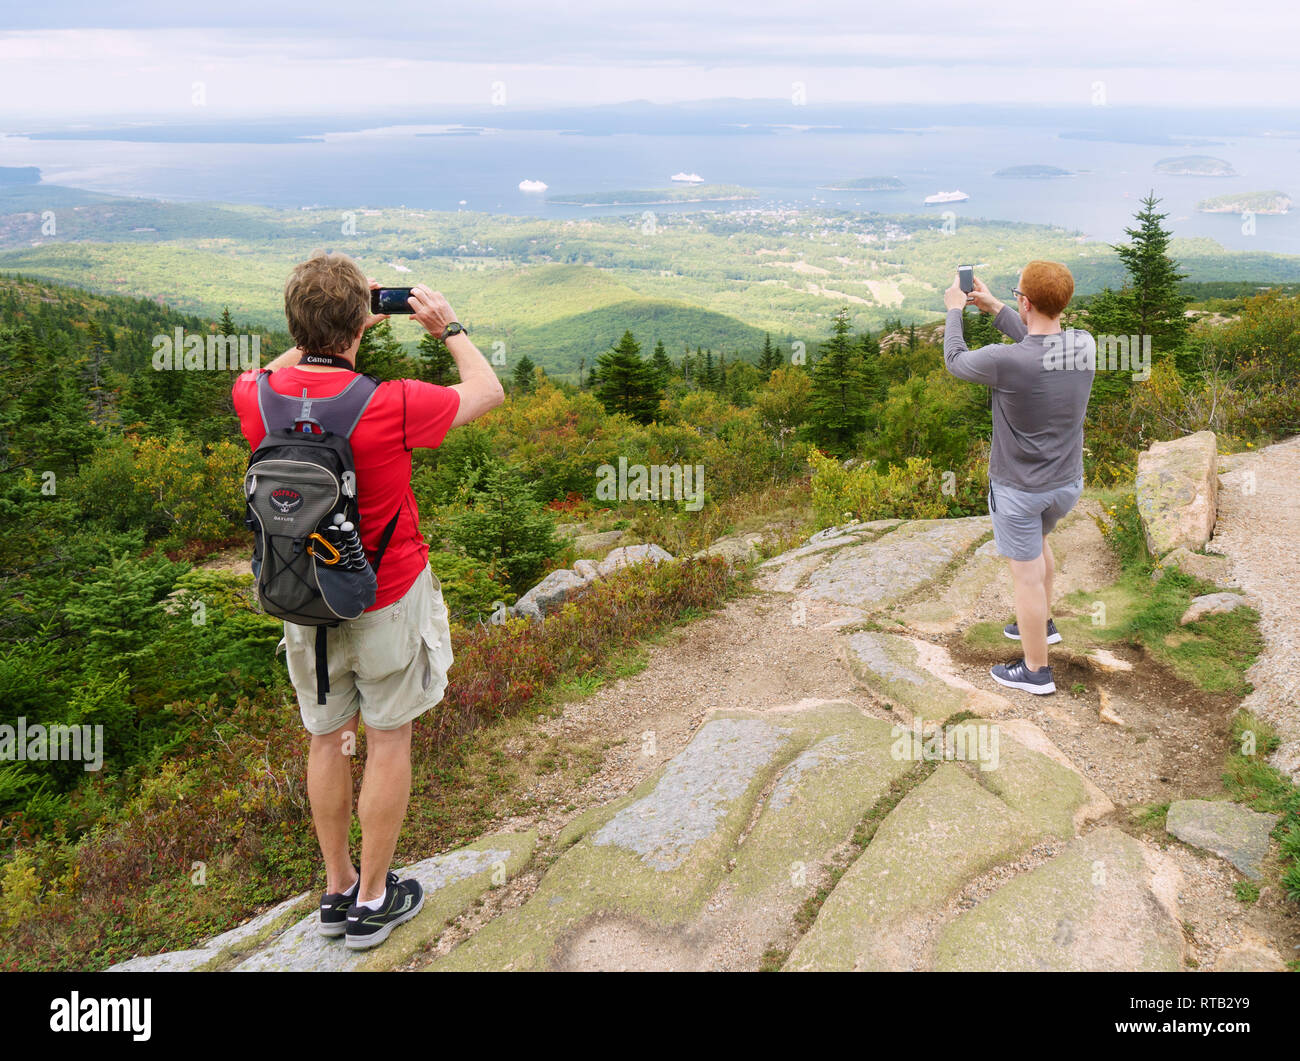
point(390, 664)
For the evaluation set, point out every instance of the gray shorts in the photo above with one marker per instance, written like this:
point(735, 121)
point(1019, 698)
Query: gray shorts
point(390, 664)
point(1021, 520)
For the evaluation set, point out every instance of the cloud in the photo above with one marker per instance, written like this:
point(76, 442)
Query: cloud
point(95, 58)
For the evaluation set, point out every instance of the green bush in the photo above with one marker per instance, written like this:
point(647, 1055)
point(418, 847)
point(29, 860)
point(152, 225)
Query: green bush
point(908, 491)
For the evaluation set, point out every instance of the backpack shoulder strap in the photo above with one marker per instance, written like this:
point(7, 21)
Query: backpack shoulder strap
point(345, 408)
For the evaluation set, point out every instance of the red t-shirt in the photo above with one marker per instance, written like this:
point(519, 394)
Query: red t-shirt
point(403, 415)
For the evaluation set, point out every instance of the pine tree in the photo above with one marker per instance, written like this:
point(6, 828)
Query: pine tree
point(838, 407)
point(661, 363)
point(708, 374)
point(381, 355)
point(436, 365)
point(1150, 302)
point(770, 360)
point(873, 376)
point(525, 382)
point(627, 384)
point(226, 326)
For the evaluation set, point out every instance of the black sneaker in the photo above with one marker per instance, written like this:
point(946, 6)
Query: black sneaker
point(334, 909)
point(1018, 676)
point(368, 928)
point(1053, 635)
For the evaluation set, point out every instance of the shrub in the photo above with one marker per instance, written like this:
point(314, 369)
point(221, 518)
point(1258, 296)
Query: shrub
point(841, 494)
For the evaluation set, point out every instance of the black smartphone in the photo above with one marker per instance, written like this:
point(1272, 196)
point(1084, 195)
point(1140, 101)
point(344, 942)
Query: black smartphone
point(966, 277)
point(390, 300)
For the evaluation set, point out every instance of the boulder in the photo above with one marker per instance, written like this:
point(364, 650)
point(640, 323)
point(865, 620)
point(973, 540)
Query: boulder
point(586, 570)
point(594, 543)
point(1205, 566)
point(549, 593)
point(628, 555)
point(1212, 604)
point(1233, 832)
point(1177, 493)
point(738, 549)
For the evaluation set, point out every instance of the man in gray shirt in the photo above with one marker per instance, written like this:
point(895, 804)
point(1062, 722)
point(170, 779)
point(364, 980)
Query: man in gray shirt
point(1040, 384)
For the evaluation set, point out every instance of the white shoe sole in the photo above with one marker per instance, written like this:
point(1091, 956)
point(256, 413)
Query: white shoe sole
point(366, 942)
point(1052, 639)
point(1037, 690)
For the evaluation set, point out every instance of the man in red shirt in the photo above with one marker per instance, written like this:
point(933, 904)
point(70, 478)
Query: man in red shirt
point(388, 666)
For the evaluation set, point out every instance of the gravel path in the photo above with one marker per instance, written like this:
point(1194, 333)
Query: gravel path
point(1258, 529)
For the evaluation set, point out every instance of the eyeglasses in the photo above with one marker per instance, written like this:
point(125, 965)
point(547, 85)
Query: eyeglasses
point(1017, 292)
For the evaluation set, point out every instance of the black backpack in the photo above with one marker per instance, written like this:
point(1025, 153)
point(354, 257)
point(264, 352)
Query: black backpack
point(300, 492)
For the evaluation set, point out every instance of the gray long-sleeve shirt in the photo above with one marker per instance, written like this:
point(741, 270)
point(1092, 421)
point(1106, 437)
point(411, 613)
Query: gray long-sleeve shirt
point(1040, 385)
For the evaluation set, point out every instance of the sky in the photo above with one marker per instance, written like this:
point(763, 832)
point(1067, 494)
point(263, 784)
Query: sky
point(91, 60)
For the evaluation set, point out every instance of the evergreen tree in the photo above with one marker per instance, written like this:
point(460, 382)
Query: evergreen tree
point(1150, 302)
point(770, 360)
point(838, 406)
point(661, 363)
point(525, 382)
point(226, 326)
point(436, 365)
point(873, 376)
point(381, 355)
point(708, 374)
point(627, 384)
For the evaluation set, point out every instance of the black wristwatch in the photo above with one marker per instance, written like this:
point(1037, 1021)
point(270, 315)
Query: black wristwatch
point(454, 328)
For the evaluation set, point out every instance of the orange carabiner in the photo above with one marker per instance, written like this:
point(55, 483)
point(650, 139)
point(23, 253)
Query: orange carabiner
point(328, 562)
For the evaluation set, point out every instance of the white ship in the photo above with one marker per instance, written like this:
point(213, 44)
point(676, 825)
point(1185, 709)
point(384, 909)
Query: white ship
point(686, 178)
point(532, 186)
point(946, 197)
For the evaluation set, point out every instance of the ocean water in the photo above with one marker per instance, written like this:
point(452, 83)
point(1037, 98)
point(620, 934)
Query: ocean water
point(428, 166)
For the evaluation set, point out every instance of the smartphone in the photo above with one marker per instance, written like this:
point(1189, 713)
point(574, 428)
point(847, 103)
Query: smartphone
point(966, 277)
point(390, 300)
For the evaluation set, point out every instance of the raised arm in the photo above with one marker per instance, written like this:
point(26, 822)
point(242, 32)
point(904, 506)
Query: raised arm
point(978, 366)
point(479, 388)
point(1005, 320)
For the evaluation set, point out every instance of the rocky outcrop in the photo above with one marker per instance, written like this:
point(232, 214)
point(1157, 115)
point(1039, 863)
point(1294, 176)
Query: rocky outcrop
point(1213, 604)
point(559, 586)
point(1235, 833)
point(1177, 492)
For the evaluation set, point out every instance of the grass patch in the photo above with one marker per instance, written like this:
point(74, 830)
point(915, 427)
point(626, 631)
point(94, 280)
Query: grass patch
point(1212, 654)
point(1252, 781)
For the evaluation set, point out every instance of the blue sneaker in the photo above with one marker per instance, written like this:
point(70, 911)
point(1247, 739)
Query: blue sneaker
point(1018, 676)
point(1012, 631)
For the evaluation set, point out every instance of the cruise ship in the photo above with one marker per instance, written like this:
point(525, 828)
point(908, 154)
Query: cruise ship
point(946, 197)
point(686, 178)
point(532, 186)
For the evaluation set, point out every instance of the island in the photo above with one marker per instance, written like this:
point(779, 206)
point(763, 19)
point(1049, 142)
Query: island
point(1035, 172)
point(696, 193)
point(19, 175)
point(1272, 202)
point(865, 184)
point(1195, 166)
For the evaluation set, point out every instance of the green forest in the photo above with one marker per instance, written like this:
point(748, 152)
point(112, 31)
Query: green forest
point(120, 482)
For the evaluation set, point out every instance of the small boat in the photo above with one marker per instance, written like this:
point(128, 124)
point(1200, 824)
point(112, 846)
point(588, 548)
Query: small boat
point(946, 197)
point(686, 178)
point(532, 186)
